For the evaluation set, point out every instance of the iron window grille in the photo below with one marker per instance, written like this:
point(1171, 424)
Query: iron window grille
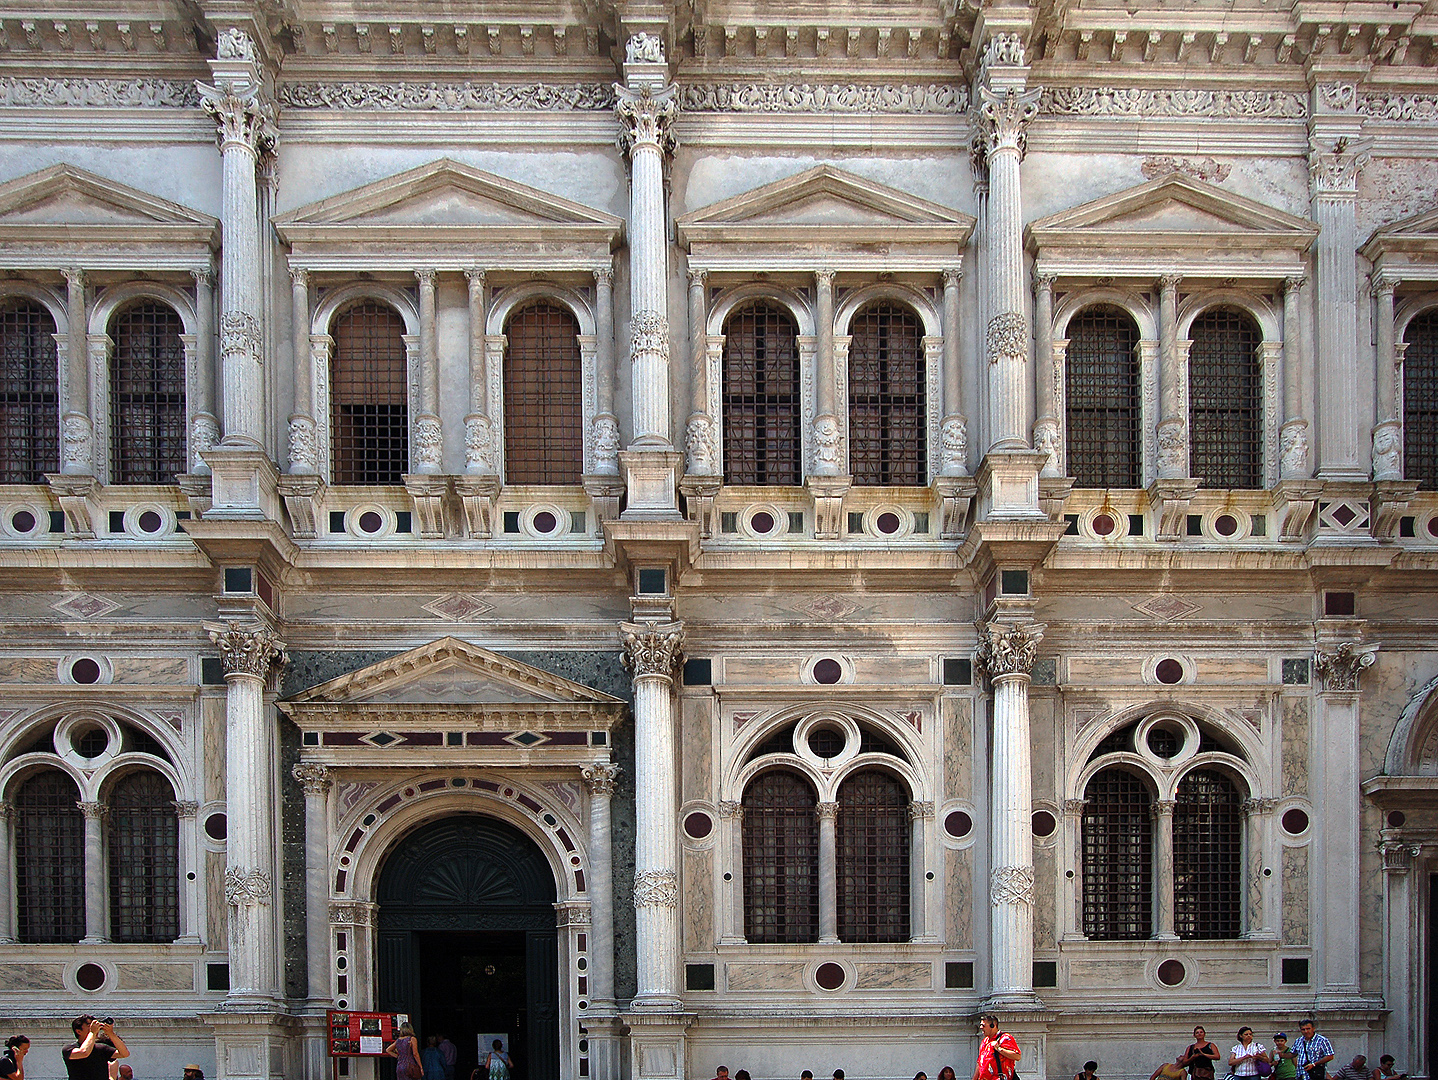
point(543, 397)
point(887, 397)
point(369, 396)
point(49, 860)
point(1225, 396)
point(761, 397)
point(147, 396)
point(29, 394)
point(873, 855)
point(1207, 856)
point(1117, 857)
point(1420, 400)
point(781, 860)
point(1103, 417)
point(144, 860)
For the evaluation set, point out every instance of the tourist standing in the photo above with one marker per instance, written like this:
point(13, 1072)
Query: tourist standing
point(1285, 1061)
point(1199, 1057)
point(1313, 1051)
point(95, 1046)
point(405, 1051)
point(1243, 1059)
point(12, 1061)
point(998, 1051)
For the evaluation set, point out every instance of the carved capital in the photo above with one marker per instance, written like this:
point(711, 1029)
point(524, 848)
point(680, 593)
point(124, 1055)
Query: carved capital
point(1169, 282)
point(476, 278)
point(93, 811)
point(603, 276)
point(921, 811)
point(1334, 170)
point(245, 886)
point(186, 810)
point(826, 811)
point(1043, 282)
point(245, 119)
point(647, 118)
point(1074, 807)
point(952, 277)
point(601, 777)
point(247, 650)
point(1011, 885)
point(1162, 808)
point(652, 648)
point(75, 278)
point(1294, 283)
point(315, 778)
point(1006, 650)
point(204, 279)
point(729, 809)
point(1340, 668)
point(1006, 116)
point(1397, 858)
point(7, 811)
point(351, 915)
point(425, 278)
point(825, 278)
point(656, 888)
point(1253, 807)
point(299, 277)
point(697, 278)
point(1384, 284)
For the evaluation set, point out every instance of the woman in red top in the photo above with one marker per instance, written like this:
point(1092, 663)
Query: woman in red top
point(998, 1051)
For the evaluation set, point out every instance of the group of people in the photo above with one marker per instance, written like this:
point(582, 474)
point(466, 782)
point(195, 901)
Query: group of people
point(1307, 1058)
point(437, 1060)
point(97, 1053)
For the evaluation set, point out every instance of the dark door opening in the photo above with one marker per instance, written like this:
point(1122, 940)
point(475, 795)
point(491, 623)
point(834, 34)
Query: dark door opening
point(467, 942)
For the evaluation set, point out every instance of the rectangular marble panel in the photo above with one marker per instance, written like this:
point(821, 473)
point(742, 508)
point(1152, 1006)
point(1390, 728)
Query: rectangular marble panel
point(958, 749)
point(151, 671)
point(1045, 898)
point(217, 911)
point(1098, 670)
point(27, 669)
point(1093, 974)
point(1041, 742)
point(958, 898)
point(764, 976)
point(34, 976)
point(894, 976)
point(698, 900)
point(696, 747)
point(1295, 746)
point(1231, 671)
point(212, 735)
point(1235, 972)
point(1372, 882)
point(156, 976)
point(1295, 896)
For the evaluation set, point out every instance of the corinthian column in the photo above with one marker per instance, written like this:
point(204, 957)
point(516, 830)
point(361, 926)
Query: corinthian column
point(651, 651)
point(601, 778)
point(1007, 652)
point(246, 119)
point(247, 653)
point(315, 779)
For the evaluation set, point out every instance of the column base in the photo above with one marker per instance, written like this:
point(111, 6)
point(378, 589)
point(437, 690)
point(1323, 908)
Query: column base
point(657, 1044)
point(1025, 1001)
point(259, 1044)
point(243, 483)
point(651, 478)
point(1008, 485)
point(1170, 936)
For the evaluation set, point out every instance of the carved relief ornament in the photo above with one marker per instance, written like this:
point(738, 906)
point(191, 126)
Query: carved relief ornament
point(247, 650)
point(601, 777)
point(1008, 650)
point(1341, 667)
point(1006, 116)
point(245, 117)
point(646, 118)
point(246, 885)
point(652, 648)
point(1011, 885)
point(314, 777)
point(656, 888)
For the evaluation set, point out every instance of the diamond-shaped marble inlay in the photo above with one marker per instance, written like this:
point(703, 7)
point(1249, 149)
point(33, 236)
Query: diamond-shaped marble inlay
point(1344, 515)
point(1166, 607)
point(829, 606)
point(458, 607)
point(381, 738)
point(85, 606)
point(527, 739)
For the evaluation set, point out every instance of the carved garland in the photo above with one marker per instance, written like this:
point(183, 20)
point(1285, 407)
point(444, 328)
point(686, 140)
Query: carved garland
point(246, 885)
point(656, 888)
point(1012, 885)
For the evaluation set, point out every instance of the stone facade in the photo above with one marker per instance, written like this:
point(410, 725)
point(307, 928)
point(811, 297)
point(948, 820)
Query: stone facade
point(1010, 620)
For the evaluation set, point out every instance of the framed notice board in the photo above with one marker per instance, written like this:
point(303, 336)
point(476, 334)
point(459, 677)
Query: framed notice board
point(362, 1034)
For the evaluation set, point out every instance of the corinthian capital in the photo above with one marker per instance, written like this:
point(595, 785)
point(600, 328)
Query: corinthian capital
point(1005, 649)
point(652, 648)
point(647, 117)
point(1333, 170)
point(1341, 667)
point(247, 650)
point(314, 777)
point(1006, 115)
point(244, 116)
point(601, 777)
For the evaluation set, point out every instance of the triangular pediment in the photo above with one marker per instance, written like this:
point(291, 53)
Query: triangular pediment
point(1409, 241)
point(63, 195)
point(449, 673)
point(824, 203)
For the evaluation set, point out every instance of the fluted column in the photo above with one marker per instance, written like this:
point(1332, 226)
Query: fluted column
point(1293, 436)
point(954, 454)
point(247, 653)
point(428, 437)
point(304, 449)
point(601, 777)
point(1388, 430)
point(1007, 652)
point(204, 425)
point(828, 814)
point(1173, 423)
point(246, 119)
point(1161, 813)
point(77, 447)
point(826, 420)
point(1046, 427)
point(315, 779)
point(96, 878)
point(7, 887)
point(478, 432)
point(651, 652)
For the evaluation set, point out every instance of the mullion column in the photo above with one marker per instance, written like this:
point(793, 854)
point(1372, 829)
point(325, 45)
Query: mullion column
point(428, 453)
point(315, 779)
point(1047, 427)
point(1293, 437)
point(7, 886)
point(1388, 431)
point(601, 778)
point(188, 844)
point(828, 814)
point(1173, 463)
point(304, 447)
point(1161, 813)
point(954, 453)
point(77, 448)
point(97, 915)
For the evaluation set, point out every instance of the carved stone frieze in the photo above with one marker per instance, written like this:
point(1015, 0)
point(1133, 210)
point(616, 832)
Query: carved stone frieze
point(1004, 50)
point(99, 93)
point(246, 885)
point(852, 98)
point(1341, 667)
point(247, 650)
point(730, 809)
point(448, 97)
point(1005, 649)
point(351, 915)
point(652, 648)
point(601, 777)
point(1132, 101)
point(234, 44)
point(656, 888)
point(1011, 885)
point(1411, 108)
point(1206, 169)
point(921, 811)
point(315, 778)
point(644, 49)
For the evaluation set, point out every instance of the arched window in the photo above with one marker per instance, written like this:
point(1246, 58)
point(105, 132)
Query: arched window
point(144, 860)
point(147, 395)
point(873, 857)
point(49, 860)
point(1103, 417)
point(887, 399)
point(1420, 400)
point(761, 397)
point(781, 860)
point(1207, 856)
point(369, 396)
point(29, 394)
point(543, 402)
point(1117, 857)
point(1225, 400)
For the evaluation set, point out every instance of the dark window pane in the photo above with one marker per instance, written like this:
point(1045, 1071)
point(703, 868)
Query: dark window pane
point(369, 397)
point(49, 860)
point(29, 394)
point(1117, 857)
point(1102, 383)
point(1420, 400)
point(543, 403)
point(144, 860)
point(781, 860)
point(873, 858)
point(761, 397)
point(1207, 856)
point(887, 400)
point(1225, 400)
point(147, 396)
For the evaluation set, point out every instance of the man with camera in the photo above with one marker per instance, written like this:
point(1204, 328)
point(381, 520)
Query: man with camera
point(95, 1046)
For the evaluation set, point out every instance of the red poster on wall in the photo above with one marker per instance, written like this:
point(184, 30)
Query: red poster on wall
point(362, 1034)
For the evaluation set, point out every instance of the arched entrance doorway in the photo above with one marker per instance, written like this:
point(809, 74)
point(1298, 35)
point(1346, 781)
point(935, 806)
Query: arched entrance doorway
point(467, 940)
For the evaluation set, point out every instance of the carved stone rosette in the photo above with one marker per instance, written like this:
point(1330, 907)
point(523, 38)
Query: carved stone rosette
point(601, 777)
point(1341, 667)
point(1006, 650)
point(652, 648)
point(647, 118)
point(1011, 885)
point(244, 886)
point(247, 650)
point(315, 778)
point(656, 888)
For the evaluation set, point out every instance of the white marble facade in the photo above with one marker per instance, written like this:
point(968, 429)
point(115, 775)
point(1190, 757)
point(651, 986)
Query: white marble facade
point(609, 659)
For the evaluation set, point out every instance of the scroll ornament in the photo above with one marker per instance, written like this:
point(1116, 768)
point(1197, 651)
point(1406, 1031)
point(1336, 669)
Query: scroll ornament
point(246, 886)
